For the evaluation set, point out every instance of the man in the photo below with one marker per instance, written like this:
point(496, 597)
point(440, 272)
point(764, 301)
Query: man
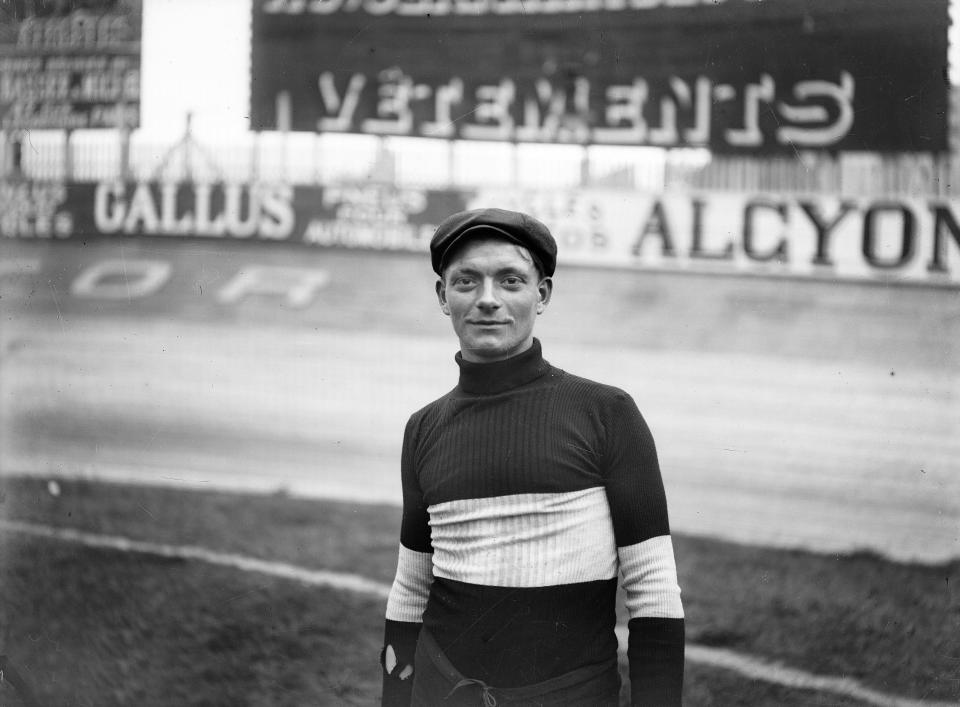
point(525, 490)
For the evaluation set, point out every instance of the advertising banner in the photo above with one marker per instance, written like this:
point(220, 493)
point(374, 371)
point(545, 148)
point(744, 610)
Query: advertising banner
point(70, 65)
point(736, 76)
point(884, 239)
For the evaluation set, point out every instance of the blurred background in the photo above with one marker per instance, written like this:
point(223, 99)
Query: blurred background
point(214, 220)
point(226, 267)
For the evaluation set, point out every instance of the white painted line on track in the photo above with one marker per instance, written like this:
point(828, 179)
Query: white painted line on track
point(790, 677)
point(747, 666)
point(775, 673)
point(336, 580)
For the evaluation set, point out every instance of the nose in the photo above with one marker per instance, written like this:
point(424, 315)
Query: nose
point(488, 299)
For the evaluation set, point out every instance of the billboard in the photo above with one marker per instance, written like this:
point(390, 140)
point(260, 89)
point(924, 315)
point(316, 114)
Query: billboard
point(736, 76)
point(71, 64)
point(892, 239)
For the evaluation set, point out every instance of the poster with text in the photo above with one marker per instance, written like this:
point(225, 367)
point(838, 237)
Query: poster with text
point(734, 76)
point(70, 65)
point(885, 239)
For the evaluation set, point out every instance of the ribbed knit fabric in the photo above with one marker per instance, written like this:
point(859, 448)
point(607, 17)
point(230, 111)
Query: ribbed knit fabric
point(530, 489)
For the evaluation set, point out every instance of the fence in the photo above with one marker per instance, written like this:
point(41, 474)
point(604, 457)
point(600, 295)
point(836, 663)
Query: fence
point(311, 159)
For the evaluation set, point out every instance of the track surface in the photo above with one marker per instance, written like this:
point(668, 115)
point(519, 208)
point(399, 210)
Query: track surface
point(787, 413)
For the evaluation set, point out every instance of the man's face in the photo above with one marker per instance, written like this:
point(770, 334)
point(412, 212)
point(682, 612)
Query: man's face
point(492, 292)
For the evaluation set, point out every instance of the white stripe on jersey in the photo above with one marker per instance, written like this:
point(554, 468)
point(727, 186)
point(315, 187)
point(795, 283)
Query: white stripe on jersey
point(411, 586)
point(650, 579)
point(525, 540)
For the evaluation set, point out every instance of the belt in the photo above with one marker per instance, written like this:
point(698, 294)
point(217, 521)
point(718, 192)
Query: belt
point(490, 693)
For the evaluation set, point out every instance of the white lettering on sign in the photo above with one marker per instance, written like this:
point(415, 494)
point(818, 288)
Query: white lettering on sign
point(446, 97)
point(753, 95)
point(121, 278)
point(492, 113)
point(430, 8)
point(374, 217)
point(397, 91)
point(380, 204)
point(814, 127)
point(34, 210)
point(78, 30)
point(674, 112)
point(44, 86)
point(546, 113)
point(241, 211)
point(625, 111)
point(297, 286)
point(82, 68)
point(367, 235)
point(342, 106)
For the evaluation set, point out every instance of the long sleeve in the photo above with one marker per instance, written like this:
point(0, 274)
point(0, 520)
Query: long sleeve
point(645, 551)
point(411, 585)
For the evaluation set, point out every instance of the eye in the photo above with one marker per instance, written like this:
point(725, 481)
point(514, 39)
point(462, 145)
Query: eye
point(462, 282)
point(512, 281)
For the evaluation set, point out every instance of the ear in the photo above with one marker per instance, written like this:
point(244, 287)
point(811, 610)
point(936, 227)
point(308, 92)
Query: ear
point(442, 297)
point(545, 290)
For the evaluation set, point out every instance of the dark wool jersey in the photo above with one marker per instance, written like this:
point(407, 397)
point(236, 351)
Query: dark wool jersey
point(526, 490)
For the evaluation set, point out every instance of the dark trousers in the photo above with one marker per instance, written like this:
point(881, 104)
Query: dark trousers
point(437, 682)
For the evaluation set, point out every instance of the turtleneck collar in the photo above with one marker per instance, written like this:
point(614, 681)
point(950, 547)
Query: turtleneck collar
point(500, 376)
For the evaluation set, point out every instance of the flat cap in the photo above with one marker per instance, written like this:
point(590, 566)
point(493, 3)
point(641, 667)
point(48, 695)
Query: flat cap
point(513, 226)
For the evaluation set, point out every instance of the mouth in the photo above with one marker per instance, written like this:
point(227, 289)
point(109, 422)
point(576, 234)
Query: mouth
point(487, 322)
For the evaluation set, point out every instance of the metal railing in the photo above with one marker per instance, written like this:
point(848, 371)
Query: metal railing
point(306, 158)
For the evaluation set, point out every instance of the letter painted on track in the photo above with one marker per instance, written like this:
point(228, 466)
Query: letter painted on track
point(121, 278)
point(297, 286)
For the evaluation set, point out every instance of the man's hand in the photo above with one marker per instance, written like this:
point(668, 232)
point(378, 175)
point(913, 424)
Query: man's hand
point(390, 664)
point(397, 660)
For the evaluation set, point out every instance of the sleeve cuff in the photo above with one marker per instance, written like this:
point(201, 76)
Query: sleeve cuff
point(411, 586)
point(656, 653)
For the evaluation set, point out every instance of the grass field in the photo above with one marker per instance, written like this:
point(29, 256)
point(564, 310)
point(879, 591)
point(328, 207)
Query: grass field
point(100, 627)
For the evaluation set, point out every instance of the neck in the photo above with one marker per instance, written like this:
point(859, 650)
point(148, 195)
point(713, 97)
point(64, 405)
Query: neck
point(498, 376)
point(474, 357)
